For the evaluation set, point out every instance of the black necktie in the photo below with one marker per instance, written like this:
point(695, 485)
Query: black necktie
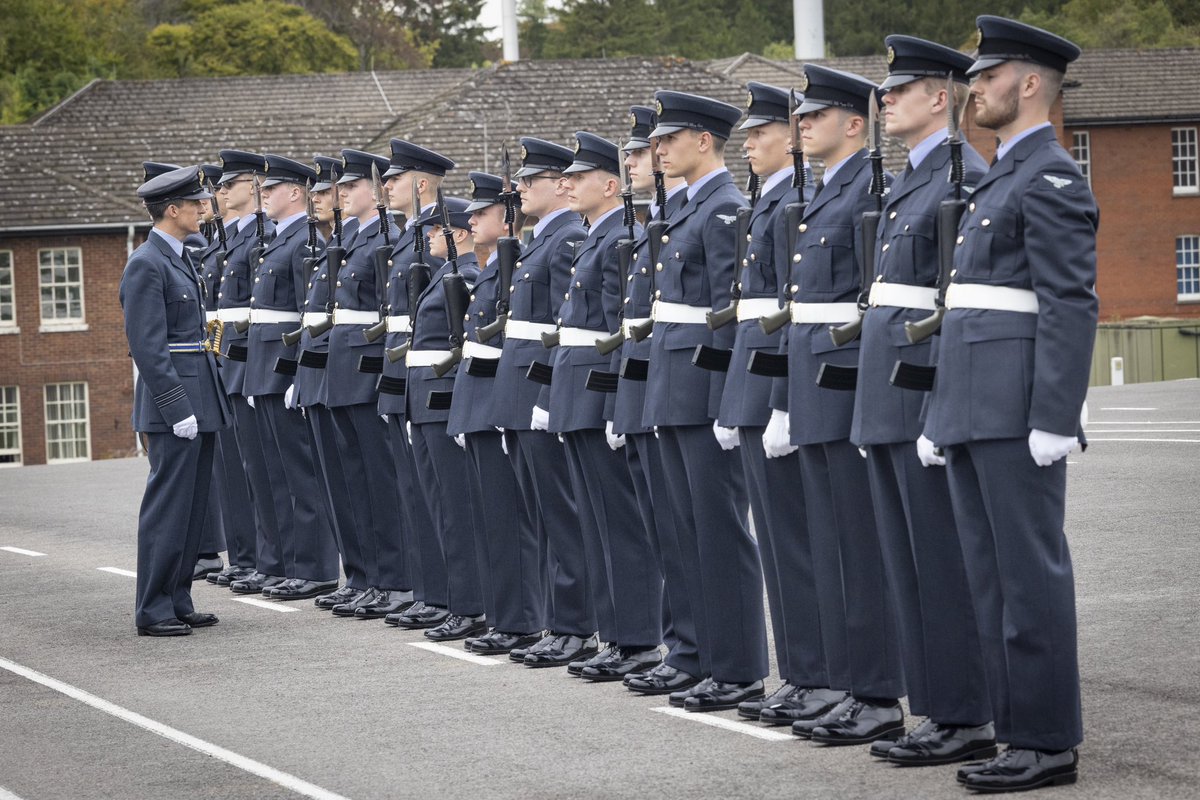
point(820, 186)
point(908, 168)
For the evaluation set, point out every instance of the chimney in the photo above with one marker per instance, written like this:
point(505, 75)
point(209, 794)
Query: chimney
point(808, 28)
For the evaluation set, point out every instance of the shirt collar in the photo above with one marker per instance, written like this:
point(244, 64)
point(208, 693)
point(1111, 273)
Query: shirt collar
point(242, 222)
point(596, 225)
point(694, 188)
point(546, 220)
point(832, 170)
point(175, 245)
point(1004, 147)
point(775, 179)
point(927, 146)
point(495, 254)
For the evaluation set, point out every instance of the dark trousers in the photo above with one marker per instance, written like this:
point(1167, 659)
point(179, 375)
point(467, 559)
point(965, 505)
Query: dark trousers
point(943, 663)
point(268, 489)
point(624, 581)
point(862, 657)
point(781, 522)
point(237, 515)
point(506, 544)
point(371, 484)
point(170, 524)
point(345, 529)
point(1010, 513)
point(708, 492)
point(546, 488)
point(427, 566)
point(212, 540)
point(441, 469)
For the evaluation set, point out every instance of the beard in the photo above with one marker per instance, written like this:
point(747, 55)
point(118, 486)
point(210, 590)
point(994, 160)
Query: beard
point(1001, 113)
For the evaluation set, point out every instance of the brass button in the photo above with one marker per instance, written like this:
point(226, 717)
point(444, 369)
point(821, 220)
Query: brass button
point(643, 271)
point(879, 279)
point(676, 255)
point(953, 272)
point(343, 262)
point(884, 249)
point(745, 262)
point(905, 227)
point(220, 295)
point(971, 207)
point(658, 292)
point(472, 298)
point(822, 240)
point(389, 262)
point(339, 284)
point(261, 260)
point(959, 240)
point(578, 285)
point(466, 317)
point(892, 215)
point(572, 270)
point(795, 288)
point(803, 227)
point(754, 256)
point(739, 286)
point(665, 239)
point(749, 237)
point(566, 295)
point(796, 258)
point(626, 299)
point(658, 267)
point(985, 222)
point(512, 288)
point(387, 285)
point(526, 276)
point(256, 280)
point(351, 274)
point(310, 284)
point(518, 265)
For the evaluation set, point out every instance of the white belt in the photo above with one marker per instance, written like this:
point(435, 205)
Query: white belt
point(399, 323)
point(313, 318)
point(824, 312)
point(995, 298)
point(680, 312)
point(425, 358)
point(756, 307)
point(477, 350)
point(579, 337)
point(233, 314)
point(260, 316)
point(902, 295)
point(209, 316)
point(628, 324)
point(524, 329)
point(346, 316)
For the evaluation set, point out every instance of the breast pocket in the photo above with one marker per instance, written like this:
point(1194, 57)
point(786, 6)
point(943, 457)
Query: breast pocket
point(586, 303)
point(990, 243)
point(913, 250)
point(684, 274)
point(758, 274)
point(182, 310)
point(531, 291)
point(828, 264)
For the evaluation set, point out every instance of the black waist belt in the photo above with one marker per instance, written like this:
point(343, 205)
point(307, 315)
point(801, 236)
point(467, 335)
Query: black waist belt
point(390, 385)
point(313, 359)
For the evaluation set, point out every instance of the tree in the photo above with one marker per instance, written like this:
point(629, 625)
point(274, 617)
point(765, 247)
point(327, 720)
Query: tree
point(1123, 23)
point(606, 28)
point(452, 26)
point(378, 31)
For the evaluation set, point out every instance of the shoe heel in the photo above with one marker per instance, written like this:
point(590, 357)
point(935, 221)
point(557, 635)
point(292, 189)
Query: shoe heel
point(1064, 779)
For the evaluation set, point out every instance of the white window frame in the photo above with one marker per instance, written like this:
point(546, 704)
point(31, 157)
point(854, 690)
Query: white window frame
point(86, 439)
point(59, 324)
point(1185, 161)
point(10, 410)
point(8, 287)
point(1187, 268)
point(1081, 151)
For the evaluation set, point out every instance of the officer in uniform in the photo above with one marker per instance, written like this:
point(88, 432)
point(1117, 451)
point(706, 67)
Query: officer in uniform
point(178, 403)
point(309, 552)
point(1012, 376)
point(706, 485)
point(411, 166)
point(626, 588)
point(861, 650)
point(943, 665)
point(538, 286)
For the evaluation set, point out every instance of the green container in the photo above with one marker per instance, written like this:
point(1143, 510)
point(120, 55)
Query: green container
point(1153, 349)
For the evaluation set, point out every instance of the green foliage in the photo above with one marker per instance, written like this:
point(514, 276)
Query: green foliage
point(1123, 23)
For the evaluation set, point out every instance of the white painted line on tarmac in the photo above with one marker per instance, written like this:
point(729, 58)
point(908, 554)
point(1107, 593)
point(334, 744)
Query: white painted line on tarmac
point(5, 794)
point(1092, 422)
point(1128, 408)
point(250, 601)
point(128, 573)
point(441, 649)
point(290, 782)
point(1149, 430)
point(725, 724)
point(21, 551)
point(1175, 441)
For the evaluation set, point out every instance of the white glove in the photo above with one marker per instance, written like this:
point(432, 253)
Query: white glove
point(461, 440)
point(540, 420)
point(250, 401)
point(187, 428)
point(289, 397)
point(727, 438)
point(1046, 448)
point(408, 430)
point(862, 451)
point(615, 441)
point(503, 440)
point(655, 431)
point(383, 417)
point(1083, 416)
point(927, 451)
point(777, 438)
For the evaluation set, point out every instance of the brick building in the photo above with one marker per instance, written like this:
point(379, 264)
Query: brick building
point(69, 214)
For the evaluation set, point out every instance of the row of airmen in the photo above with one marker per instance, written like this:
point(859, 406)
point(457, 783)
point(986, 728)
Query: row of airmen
point(559, 469)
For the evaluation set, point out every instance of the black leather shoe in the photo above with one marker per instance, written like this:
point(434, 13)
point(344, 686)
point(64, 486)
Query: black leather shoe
point(1017, 770)
point(576, 667)
point(207, 566)
point(622, 662)
point(676, 698)
point(229, 575)
point(881, 747)
point(457, 626)
point(751, 709)
point(562, 651)
point(199, 620)
point(720, 696)
point(347, 608)
point(497, 643)
point(254, 583)
point(471, 640)
point(168, 627)
point(862, 722)
point(385, 602)
point(518, 654)
point(804, 704)
point(335, 598)
point(663, 679)
point(945, 744)
point(300, 589)
point(805, 726)
point(420, 616)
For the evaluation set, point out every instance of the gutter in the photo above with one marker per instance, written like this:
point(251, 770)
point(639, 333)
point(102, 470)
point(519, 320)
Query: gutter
point(66, 227)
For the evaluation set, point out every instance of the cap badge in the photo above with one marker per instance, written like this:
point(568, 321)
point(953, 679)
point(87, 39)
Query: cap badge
point(524, 153)
point(474, 188)
point(658, 107)
point(578, 144)
point(803, 85)
point(749, 99)
point(978, 37)
point(632, 121)
point(891, 54)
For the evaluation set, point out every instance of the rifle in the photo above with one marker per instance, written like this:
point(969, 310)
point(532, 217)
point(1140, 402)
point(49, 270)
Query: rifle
point(655, 229)
point(310, 260)
point(600, 380)
point(334, 254)
point(383, 257)
point(260, 244)
point(508, 248)
point(794, 214)
point(458, 296)
point(920, 376)
point(418, 276)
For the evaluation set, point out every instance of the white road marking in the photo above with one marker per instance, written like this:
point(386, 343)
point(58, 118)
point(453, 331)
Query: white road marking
point(290, 782)
point(1146, 430)
point(251, 601)
point(1175, 441)
point(1127, 408)
point(725, 724)
point(128, 573)
point(1092, 422)
point(5, 794)
point(21, 551)
point(434, 647)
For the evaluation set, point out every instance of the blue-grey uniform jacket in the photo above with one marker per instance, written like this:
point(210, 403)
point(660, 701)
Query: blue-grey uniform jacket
point(431, 331)
point(310, 381)
point(237, 276)
point(404, 253)
point(354, 290)
point(474, 395)
point(210, 265)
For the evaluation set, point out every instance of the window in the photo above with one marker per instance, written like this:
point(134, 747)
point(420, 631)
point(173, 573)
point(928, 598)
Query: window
point(60, 277)
point(8, 306)
point(1187, 267)
point(67, 434)
point(1184, 167)
point(1081, 151)
point(10, 426)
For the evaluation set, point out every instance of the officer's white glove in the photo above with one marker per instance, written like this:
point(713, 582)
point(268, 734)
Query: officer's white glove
point(1083, 415)
point(383, 417)
point(289, 397)
point(540, 420)
point(727, 438)
point(250, 401)
point(503, 440)
point(777, 438)
point(615, 441)
point(186, 428)
point(461, 440)
point(928, 453)
point(1046, 448)
point(408, 430)
point(655, 431)
point(862, 451)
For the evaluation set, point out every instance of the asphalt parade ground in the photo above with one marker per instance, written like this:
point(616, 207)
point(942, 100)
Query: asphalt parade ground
point(285, 701)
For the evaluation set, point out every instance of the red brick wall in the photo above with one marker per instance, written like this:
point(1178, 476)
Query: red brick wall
point(98, 356)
